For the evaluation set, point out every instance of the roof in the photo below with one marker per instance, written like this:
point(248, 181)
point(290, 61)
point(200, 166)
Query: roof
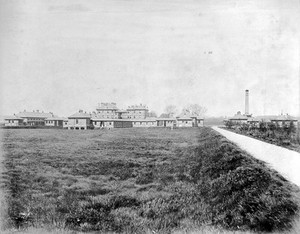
point(238, 117)
point(284, 118)
point(253, 119)
point(121, 111)
point(80, 115)
point(34, 114)
point(188, 117)
point(124, 120)
point(268, 118)
point(105, 120)
point(144, 120)
point(166, 119)
point(55, 118)
point(15, 117)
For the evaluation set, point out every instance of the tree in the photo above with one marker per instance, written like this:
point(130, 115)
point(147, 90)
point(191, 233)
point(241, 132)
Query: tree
point(195, 109)
point(170, 110)
point(164, 115)
point(228, 124)
point(291, 128)
point(262, 126)
point(152, 114)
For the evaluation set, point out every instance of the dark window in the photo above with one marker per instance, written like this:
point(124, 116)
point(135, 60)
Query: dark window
point(76, 121)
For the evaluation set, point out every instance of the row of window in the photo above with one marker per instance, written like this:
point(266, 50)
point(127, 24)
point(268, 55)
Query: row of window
point(144, 123)
point(11, 121)
point(49, 121)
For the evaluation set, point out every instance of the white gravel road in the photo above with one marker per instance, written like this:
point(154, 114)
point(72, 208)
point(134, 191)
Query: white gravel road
point(285, 161)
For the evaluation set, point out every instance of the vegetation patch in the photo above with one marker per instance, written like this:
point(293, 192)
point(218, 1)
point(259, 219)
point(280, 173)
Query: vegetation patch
point(285, 135)
point(136, 180)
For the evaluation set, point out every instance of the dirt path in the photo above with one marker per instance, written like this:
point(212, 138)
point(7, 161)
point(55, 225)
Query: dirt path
point(285, 161)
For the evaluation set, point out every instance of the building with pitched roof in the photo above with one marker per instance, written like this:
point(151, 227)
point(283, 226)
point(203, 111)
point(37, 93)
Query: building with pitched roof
point(54, 121)
point(34, 118)
point(13, 121)
point(80, 121)
point(187, 120)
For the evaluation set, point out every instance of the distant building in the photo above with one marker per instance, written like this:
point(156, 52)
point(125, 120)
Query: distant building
point(65, 123)
point(238, 118)
point(80, 121)
point(137, 112)
point(13, 121)
point(279, 120)
point(34, 118)
point(102, 123)
point(166, 122)
point(107, 110)
point(187, 120)
point(145, 122)
point(54, 121)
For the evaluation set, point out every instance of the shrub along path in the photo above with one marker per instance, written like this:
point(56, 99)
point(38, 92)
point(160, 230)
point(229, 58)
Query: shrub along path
point(285, 161)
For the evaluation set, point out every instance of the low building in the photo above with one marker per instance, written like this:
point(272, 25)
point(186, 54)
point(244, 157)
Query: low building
point(253, 121)
point(186, 120)
point(54, 121)
point(80, 121)
point(166, 122)
point(238, 118)
point(13, 121)
point(34, 118)
point(65, 123)
point(148, 122)
point(282, 120)
point(102, 123)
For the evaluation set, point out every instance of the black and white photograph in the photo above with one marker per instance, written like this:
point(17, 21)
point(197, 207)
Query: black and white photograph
point(150, 116)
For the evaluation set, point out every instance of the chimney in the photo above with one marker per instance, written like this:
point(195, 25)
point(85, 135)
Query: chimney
point(247, 102)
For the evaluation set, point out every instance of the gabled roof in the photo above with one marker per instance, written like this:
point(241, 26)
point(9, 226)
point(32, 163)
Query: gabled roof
point(186, 116)
point(12, 117)
point(80, 115)
point(34, 114)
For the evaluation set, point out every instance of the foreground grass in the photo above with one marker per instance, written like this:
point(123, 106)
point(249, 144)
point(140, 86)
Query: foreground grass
point(140, 180)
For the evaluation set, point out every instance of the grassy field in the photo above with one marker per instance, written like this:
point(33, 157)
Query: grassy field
point(140, 180)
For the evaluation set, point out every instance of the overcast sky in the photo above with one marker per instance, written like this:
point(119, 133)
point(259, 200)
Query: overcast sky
point(65, 55)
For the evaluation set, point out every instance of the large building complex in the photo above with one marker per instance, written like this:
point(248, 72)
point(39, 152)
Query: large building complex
point(107, 115)
point(34, 119)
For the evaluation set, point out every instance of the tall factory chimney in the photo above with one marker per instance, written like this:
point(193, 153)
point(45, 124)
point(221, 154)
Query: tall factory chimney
point(247, 102)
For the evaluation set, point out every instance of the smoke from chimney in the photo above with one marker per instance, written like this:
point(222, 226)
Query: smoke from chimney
point(247, 102)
